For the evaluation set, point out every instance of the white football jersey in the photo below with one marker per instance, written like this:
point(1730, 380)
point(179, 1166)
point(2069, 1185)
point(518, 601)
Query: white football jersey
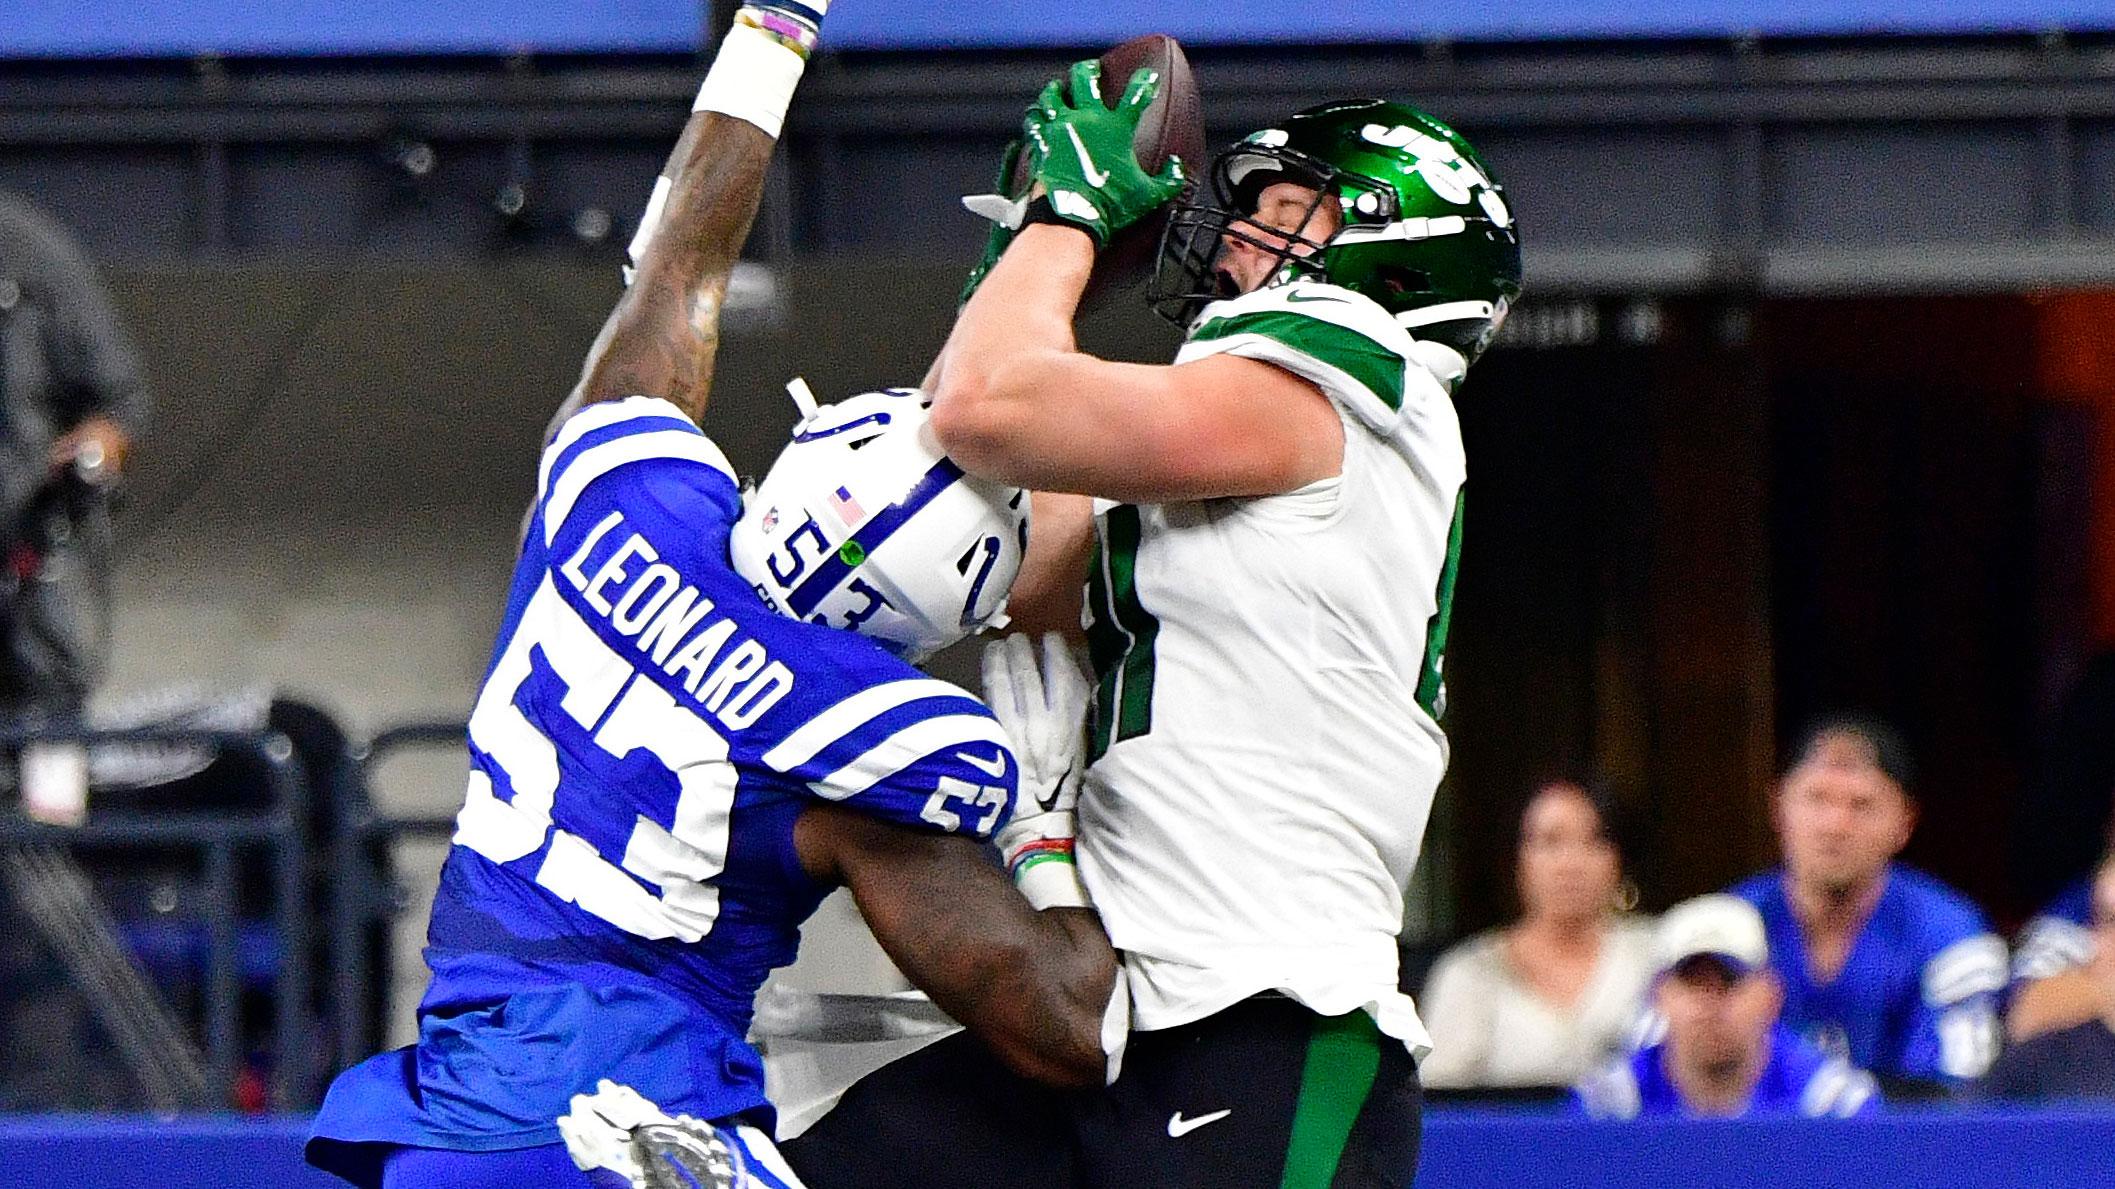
point(1265, 743)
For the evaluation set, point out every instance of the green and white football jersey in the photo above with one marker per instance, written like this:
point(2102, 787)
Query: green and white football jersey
point(1265, 743)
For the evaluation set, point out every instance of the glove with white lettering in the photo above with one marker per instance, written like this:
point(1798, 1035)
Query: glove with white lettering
point(1084, 159)
point(1043, 707)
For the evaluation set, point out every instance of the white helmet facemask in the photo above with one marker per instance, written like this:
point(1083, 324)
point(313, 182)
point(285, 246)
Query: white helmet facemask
point(864, 523)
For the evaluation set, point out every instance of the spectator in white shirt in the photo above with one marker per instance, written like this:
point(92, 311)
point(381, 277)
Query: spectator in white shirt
point(1543, 1000)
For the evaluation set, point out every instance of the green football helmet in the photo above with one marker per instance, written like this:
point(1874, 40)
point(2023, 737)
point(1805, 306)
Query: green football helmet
point(1426, 230)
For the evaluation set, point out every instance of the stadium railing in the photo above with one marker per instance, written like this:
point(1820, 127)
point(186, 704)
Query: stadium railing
point(363, 895)
point(55, 893)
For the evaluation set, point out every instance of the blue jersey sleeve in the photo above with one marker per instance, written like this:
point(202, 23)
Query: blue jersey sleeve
point(669, 469)
point(916, 751)
point(1954, 1034)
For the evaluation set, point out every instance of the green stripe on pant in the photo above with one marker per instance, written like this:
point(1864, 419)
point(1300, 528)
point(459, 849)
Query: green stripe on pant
point(1342, 1059)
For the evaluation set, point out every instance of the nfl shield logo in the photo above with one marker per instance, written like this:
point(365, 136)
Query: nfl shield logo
point(770, 519)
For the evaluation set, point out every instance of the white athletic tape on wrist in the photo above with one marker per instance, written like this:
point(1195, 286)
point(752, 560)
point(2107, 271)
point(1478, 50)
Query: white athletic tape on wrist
point(752, 78)
point(1052, 883)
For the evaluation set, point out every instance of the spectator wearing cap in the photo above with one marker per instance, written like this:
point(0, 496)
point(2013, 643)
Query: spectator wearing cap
point(1723, 1052)
point(1881, 964)
point(2079, 1061)
point(1545, 999)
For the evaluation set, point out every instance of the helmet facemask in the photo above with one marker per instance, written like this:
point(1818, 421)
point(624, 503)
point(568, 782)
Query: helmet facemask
point(1188, 275)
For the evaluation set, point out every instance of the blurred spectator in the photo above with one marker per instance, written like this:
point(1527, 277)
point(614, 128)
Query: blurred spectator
point(2052, 987)
point(1546, 999)
point(1723, 1053)
point(71, 404)
point(2062, 813)
point(2078, 1061)
point(1881, 964)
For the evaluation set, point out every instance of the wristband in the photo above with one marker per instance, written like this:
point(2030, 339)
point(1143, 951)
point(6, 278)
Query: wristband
point(753, 76)
point(1045, 873)
point(1040, 210)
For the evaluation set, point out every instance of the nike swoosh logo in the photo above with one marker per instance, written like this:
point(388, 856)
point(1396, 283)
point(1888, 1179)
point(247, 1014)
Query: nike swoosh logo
point(1096, 178)
point(994, 768)
point(1179, 1126)
point(1297, 296)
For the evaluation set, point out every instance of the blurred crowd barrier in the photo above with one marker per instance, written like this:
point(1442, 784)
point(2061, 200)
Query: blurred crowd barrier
point(1462, 1150)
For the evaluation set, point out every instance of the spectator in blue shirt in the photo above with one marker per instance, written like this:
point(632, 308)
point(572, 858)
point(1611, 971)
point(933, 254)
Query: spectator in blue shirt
point(1881, 964)
point(2051, 986)
point(1722, 1053)
point(2075, 1062)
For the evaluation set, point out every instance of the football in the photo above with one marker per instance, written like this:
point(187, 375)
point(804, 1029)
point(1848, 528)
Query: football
point(1172, 125)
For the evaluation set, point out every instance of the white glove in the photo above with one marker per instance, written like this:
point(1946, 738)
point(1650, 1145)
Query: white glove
point(1043, 707)
point(619, 1129)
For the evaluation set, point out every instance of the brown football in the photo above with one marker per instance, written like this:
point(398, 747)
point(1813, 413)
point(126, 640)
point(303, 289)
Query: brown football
point(1172, 125)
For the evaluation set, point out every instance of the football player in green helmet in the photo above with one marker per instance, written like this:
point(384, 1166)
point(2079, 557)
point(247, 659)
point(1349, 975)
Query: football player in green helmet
point(1413, 220)
point(1269, 528)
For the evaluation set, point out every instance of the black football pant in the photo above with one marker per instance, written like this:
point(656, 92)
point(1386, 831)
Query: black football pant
point(1264, 1095)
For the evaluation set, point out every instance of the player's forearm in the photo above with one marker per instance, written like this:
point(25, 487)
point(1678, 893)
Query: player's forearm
point(665, 333)
point(1033, 985)
point(1020, 320)
point(1048, 592)
point(664, 336)
point(2047, 1004)
point(678, 159)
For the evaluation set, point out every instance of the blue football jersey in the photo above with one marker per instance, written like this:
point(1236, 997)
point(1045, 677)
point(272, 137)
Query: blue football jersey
point(1918, 994)
point(1799, 1080)
point(623, 876)
point(2059, 938)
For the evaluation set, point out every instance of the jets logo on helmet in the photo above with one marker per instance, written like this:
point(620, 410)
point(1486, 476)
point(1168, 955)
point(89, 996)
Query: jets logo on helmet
point(1427, 232)
point(863, 523)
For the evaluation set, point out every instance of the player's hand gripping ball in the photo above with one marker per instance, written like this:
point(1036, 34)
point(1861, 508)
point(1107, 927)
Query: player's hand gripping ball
point(1170, 126)
point(1084, 157)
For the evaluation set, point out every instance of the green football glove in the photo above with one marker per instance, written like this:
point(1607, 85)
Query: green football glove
point(1083, 157)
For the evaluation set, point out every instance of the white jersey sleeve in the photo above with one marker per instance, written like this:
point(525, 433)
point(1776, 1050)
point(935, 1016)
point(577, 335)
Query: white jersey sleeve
point(1337, 340)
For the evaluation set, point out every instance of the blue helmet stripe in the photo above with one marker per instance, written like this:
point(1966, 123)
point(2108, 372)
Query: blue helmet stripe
point(833, 431)
point(878, 528)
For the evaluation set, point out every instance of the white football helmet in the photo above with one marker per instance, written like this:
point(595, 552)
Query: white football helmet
point(864, 523)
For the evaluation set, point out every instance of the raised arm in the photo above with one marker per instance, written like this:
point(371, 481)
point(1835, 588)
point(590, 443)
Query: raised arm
point(1014, 399)
point(664, 335)
point(1017, 402)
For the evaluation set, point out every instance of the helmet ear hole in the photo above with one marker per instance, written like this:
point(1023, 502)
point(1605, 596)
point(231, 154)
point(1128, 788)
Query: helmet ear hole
point(1398, 281)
